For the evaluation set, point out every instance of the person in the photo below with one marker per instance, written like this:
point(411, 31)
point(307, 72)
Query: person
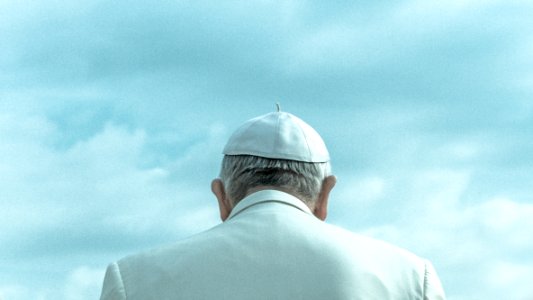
point(273, 243)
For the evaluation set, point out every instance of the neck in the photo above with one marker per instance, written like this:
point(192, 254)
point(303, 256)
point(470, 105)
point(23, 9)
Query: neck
point(277, 188)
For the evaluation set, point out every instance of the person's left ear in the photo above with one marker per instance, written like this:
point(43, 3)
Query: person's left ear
point(321, 205)
point(224, 204)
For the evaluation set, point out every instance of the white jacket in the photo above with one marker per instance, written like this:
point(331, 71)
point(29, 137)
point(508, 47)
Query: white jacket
point(273, 247)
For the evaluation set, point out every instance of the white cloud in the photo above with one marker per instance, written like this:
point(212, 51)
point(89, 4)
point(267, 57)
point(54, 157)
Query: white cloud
point(506, 221)
point(398, 30)
point(84, 283)
point(484, 240)
point(436, 96)
point(95, 195)
point(512, 280)
point(19, 292)
point(460, 150)
point(359, 191)
point(81, 283)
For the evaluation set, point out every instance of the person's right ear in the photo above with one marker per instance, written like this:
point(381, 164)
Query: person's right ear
point(224, 205)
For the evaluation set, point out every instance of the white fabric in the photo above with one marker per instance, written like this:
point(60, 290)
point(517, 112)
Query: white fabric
point(272, 247)
point(278, 135)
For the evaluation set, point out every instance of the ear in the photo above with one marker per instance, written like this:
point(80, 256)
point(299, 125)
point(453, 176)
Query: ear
point(321, 205)
point(217, 187)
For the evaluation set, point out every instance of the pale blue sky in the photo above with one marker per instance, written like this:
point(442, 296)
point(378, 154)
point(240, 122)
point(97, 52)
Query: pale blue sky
point(113, 115)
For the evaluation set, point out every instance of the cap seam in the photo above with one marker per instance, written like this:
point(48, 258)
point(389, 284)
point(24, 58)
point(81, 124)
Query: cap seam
point(305, 138)
point(243, 130)
point(298, 138)
point(276, 141)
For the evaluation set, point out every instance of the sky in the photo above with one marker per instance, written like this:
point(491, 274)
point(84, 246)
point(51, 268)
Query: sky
point(113, 116)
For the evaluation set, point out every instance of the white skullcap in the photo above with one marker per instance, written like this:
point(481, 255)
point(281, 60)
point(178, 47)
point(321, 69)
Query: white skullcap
point(278, 135)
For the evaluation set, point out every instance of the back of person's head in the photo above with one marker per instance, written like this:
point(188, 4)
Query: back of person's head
point(242, 173)
point(276, 150)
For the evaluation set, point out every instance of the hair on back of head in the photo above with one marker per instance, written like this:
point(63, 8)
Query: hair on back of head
point(240, 173)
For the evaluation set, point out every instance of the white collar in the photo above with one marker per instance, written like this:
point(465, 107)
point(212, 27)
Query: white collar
point(269, 196)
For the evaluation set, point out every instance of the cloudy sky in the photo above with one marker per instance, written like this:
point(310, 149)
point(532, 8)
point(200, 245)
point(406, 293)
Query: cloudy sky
point(113, 115)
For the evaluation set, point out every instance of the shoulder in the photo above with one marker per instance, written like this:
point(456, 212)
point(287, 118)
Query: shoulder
point(143, 273)
point(113, 287)
point(371, 250)
point(175, 251)
point(194, 248)
point(403, 273)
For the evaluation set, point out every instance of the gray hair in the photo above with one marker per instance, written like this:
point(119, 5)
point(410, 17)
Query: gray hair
point(240, 173)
